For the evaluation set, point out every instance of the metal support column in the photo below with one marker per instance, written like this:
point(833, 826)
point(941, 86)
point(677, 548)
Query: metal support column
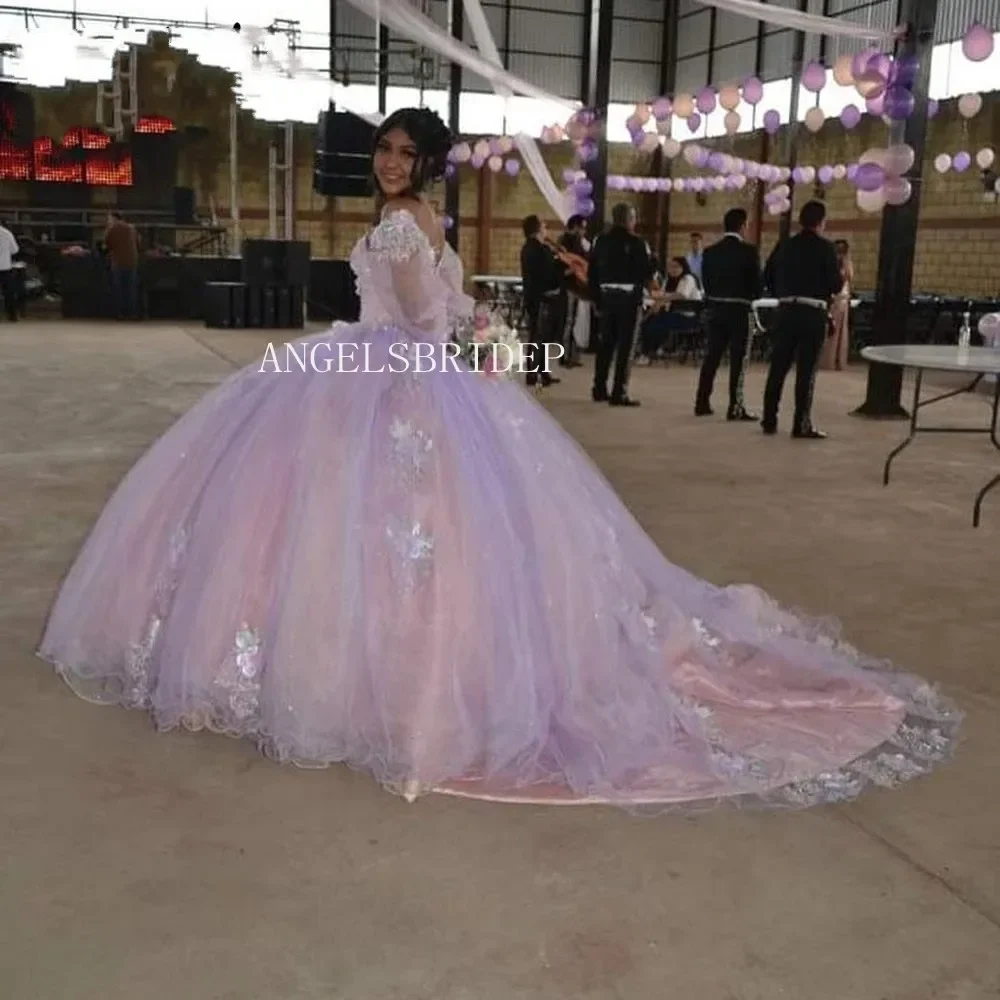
point(382, 64)
point(456, 18)
point(791, 143)
point(898, 238)
point(663, 167)
point(599, 27)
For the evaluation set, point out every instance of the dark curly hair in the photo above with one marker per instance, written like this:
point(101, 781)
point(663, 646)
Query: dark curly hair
point(432, 138)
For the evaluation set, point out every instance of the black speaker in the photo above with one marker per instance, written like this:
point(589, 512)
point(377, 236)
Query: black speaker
point(343, 155)
point(183, 206)
point(276, 262)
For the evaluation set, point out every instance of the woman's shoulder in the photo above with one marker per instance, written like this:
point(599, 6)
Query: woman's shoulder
point(404, 224)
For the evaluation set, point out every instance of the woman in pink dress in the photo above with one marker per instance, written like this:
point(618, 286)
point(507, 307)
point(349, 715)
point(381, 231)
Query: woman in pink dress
point(421, 575)
point(837, 346)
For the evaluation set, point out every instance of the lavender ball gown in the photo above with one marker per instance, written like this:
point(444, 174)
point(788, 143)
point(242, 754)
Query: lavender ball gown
point(424, 577)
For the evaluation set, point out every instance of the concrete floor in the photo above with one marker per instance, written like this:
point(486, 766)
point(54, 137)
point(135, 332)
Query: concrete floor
point(185, 866)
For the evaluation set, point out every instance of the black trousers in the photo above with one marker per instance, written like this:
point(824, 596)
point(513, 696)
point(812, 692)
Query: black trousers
point(728, 326)
point(546, 320)
point(798, 338)
point(572, 308)
point(11, 303)
point(619, 314)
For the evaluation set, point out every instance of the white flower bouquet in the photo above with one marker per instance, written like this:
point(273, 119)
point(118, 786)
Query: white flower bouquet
point(490, 347)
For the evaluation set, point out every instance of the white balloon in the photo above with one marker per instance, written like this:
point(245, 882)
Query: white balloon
point(996, 185)
point(871, 201)
point(808, 175)
point(840, 171)
point(969, 105)
point(775, 208)
point(740, 181)
point(462, 153)
point(732, 122)
point(784, 173)
point(482, 149)
point(989, 329)
point(815, 118)
point(506, 144)
point(985, 158)
point(495, 163)
point(719, 183)
point(843, 70)
point(641, 113)
point(942, 163)
point(782, 191)
point(897, 191)
point(874, 155)
point(899, 158)
point(691, 152)
point(650, 142)
point(671, 147)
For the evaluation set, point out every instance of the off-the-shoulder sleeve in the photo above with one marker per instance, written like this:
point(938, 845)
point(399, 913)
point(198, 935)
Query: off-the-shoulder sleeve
point(405, 252)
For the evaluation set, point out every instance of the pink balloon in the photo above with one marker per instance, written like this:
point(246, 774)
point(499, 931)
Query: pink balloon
point(876, 105)
point(825, 174)
point(753, 90)
point(814, 77)
point(977, 44)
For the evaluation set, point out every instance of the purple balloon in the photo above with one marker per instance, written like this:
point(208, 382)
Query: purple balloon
point(584, 188)
point(698, 184)
point(702, 156)
point(772, 122)
point(638, 137)
point(694, 122)
point(449, 170)
point(797, 175)
point(662, 108)
point(850, 117)
point(904, 71)
point(825, 174)
point(870, 177)
point(860, 61)
point(586, 208)
point(705, 101)
point(715, 161)
point(876, 105)
point(495, 148)
point(753, 90)
point(898, 103)
point(932, 108)
point(476, 161)
point(852, 171)
point(977, 44)
point(814, 77)
point(961, 162)
point(880, 63)
point(448, 222)
point(635, 184)
point(651, 184)
point(513, 168)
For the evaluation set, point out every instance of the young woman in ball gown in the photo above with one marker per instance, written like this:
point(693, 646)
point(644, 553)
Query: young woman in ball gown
point(421, 575)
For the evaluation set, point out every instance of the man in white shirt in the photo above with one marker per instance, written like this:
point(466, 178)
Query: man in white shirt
point(695, 257)
point(8, 286)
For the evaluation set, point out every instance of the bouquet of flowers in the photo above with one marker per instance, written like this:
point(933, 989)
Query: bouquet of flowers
point(489, 346)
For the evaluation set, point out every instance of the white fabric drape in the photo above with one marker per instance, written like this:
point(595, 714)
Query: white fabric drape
point(816, 24)
point(411, 24)
point(531, 156)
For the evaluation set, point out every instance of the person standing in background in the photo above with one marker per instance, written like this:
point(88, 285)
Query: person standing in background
point(837, 346)
point(541, 284)
point(122, 242)
point(804, 275)
point(572, 241)
point(620, 269)
point(8, 248)
point(695, 257)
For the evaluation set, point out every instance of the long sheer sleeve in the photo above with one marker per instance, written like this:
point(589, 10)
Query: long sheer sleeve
point(404, 283)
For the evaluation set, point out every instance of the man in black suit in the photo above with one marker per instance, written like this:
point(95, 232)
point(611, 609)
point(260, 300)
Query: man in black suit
point(541, 288)
point(620, 268)
point(731, 276)
point(803, 274)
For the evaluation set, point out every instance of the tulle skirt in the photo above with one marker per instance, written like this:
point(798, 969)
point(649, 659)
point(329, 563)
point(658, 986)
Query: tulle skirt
point(421, 575)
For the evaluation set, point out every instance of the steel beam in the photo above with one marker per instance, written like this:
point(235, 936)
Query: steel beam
point(451, 190)
point(599, 26)
point(898, 239)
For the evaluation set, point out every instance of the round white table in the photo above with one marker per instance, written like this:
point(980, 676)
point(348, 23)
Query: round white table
point(977, 362)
